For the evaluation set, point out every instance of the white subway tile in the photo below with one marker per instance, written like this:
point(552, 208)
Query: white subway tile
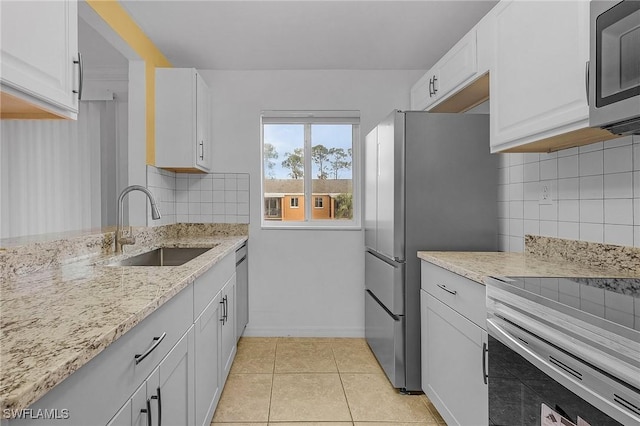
point(182, 218)
point(636, 184)
point(230, 209)
point(618, 185)
point(592, 187)
point(548, 155)
point(194, 218)
point(531, 210)
point(613, 143)
point(531, 227)
point(592, 211)
point(549, 228)
point(503, 176)
point(516, 174)
point(503, 242)
point(194, 196)
point(516, 159)
point(503, 226)
point(230, 196)
point(636, 240)
point(568, 287)
point(218, 184)
point(182, 196)
point(503, 209)
point(243, 208)
point(206, 208)
point(516, 191)
point(619, 317)
point(621, 235)
point(206, 196)
point(636, 211)
point(531, 157)
point(182, 183)
point(230, 183)
point(194, 208)
point(516, 209)
point(618, 160)
point(549, 211)
point(230, 218)
point(568, 152)
point(531, 191)
point(516, 227)
point(591, 147)
point(243, 196)
point(568, 166)
point(218, 208)
point(593, 232)
point(619, 302)
point(568, 189)
point(532, 172)
point(243, 218)
point(503, 160)
point(591, 163)
point(548, 169)
point(218, 196)
point(243, 183)
point(569, 210)
point(206, 185)
point(218, 218)
point(569, 230)
point(194, 184)
point(182, 208)
point(516, 244)
point(618, 211)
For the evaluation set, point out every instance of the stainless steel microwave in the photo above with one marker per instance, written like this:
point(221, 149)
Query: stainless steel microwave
point(614, 66)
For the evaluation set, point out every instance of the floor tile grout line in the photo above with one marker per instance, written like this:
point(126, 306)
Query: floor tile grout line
point(344, 391)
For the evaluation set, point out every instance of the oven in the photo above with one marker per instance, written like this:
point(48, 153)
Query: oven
point(563, 351)
point(614, 66)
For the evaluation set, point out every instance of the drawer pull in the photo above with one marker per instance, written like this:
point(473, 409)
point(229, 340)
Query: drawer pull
point(147, 411)
point(446, 289)
point(140, 357)
point(159, 398)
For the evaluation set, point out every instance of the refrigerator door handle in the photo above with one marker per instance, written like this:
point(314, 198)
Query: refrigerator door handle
point(395, 261)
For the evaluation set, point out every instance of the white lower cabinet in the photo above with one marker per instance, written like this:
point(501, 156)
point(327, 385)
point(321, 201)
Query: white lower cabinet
point(183, 363)
point(453, 347)
point(208, 385)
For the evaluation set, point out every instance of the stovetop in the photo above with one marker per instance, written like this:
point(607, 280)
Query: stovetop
point(613, 299)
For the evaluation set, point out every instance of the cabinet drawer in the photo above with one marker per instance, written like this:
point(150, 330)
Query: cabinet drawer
point(211, 282)
point(463, 295)
point(97, 390)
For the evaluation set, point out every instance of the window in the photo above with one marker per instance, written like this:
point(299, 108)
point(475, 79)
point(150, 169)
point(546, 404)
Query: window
point(310, 155)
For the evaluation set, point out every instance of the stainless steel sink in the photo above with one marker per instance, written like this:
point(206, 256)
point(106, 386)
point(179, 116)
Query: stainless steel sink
point(164, 256)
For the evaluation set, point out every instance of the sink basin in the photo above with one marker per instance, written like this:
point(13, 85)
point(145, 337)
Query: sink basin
point(164, 256)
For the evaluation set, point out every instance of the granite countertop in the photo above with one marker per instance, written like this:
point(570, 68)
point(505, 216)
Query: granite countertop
point(55, 320)
point(479, 265)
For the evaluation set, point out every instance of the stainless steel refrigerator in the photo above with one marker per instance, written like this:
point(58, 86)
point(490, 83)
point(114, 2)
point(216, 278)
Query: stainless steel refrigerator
point(430, 184)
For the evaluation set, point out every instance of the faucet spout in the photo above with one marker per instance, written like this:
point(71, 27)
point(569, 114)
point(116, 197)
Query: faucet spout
point(155, 215)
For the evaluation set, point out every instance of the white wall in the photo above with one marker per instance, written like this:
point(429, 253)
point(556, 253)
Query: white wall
point(302, 282)
point(595, 191)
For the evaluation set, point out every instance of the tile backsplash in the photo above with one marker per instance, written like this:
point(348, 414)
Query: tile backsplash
point(593, 194)
point(199, 198)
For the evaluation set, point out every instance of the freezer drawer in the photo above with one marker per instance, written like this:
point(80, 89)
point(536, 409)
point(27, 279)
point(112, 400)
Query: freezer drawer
point(384, 333)
point(385, 279)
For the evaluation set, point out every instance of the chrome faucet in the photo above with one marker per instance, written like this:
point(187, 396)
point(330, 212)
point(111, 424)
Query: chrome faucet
point(155, 215)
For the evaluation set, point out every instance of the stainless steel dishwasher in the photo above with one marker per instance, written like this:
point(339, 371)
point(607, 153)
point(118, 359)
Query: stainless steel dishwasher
point(242, 289)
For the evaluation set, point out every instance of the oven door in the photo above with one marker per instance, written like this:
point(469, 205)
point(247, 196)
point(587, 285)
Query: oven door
point(615, 66)
point(528, 388)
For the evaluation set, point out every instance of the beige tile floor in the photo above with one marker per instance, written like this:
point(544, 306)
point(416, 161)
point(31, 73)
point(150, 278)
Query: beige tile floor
point(315, 382)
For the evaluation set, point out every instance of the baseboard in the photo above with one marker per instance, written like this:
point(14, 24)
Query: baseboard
point(303, 332)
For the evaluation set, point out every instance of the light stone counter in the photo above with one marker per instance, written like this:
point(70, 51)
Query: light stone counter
point(56, 319)
point(479, 265)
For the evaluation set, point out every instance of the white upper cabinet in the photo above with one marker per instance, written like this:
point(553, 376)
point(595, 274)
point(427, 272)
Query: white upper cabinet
point(40, 75)
point(538, 78)
point(183, 120)
point(463, 66)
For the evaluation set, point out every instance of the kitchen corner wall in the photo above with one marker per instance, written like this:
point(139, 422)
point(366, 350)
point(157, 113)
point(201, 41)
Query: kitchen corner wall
point(595, 194)
point(198, 198)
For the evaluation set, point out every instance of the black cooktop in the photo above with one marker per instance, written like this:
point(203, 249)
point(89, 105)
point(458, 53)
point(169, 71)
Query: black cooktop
point(614, 299)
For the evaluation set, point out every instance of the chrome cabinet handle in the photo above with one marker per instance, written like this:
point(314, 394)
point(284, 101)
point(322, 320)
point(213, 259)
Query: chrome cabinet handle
point(586, 80)
point(140, 357)
point(435, 90)
point(446, 289)
point(222, 320)
point(485, 350)
point(430, 86)
point(81, 76)
point(159, 398)
point(147, 411)
point(226, 309)
point(202, 150)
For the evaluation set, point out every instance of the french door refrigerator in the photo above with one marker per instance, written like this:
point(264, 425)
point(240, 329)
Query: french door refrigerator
point(430, 184)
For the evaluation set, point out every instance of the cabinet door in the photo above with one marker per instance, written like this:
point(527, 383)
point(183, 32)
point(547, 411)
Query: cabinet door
point(457, 66)
point(538, 77)
point(227, 329)
point(370, 188)
point(207, 342)
point(203, 124)
point(176, 383)
point(454, 379)
point(425, 92)
point(123, 417)
point(39, 46)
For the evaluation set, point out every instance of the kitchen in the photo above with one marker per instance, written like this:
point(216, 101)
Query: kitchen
point(320, 307)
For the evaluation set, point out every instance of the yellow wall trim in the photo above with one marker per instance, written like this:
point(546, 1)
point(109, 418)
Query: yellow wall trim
point(117, 17)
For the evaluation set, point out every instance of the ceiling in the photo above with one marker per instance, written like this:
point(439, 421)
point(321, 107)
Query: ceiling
point(305, 34)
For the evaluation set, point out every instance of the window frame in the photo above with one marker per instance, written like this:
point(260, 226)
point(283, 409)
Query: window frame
point(318, 202)
point(309, 118)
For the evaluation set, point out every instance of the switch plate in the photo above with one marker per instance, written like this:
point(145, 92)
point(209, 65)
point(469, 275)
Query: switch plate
point(546, 194)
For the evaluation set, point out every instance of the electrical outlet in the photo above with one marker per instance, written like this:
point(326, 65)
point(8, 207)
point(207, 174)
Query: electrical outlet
point(546, 193)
